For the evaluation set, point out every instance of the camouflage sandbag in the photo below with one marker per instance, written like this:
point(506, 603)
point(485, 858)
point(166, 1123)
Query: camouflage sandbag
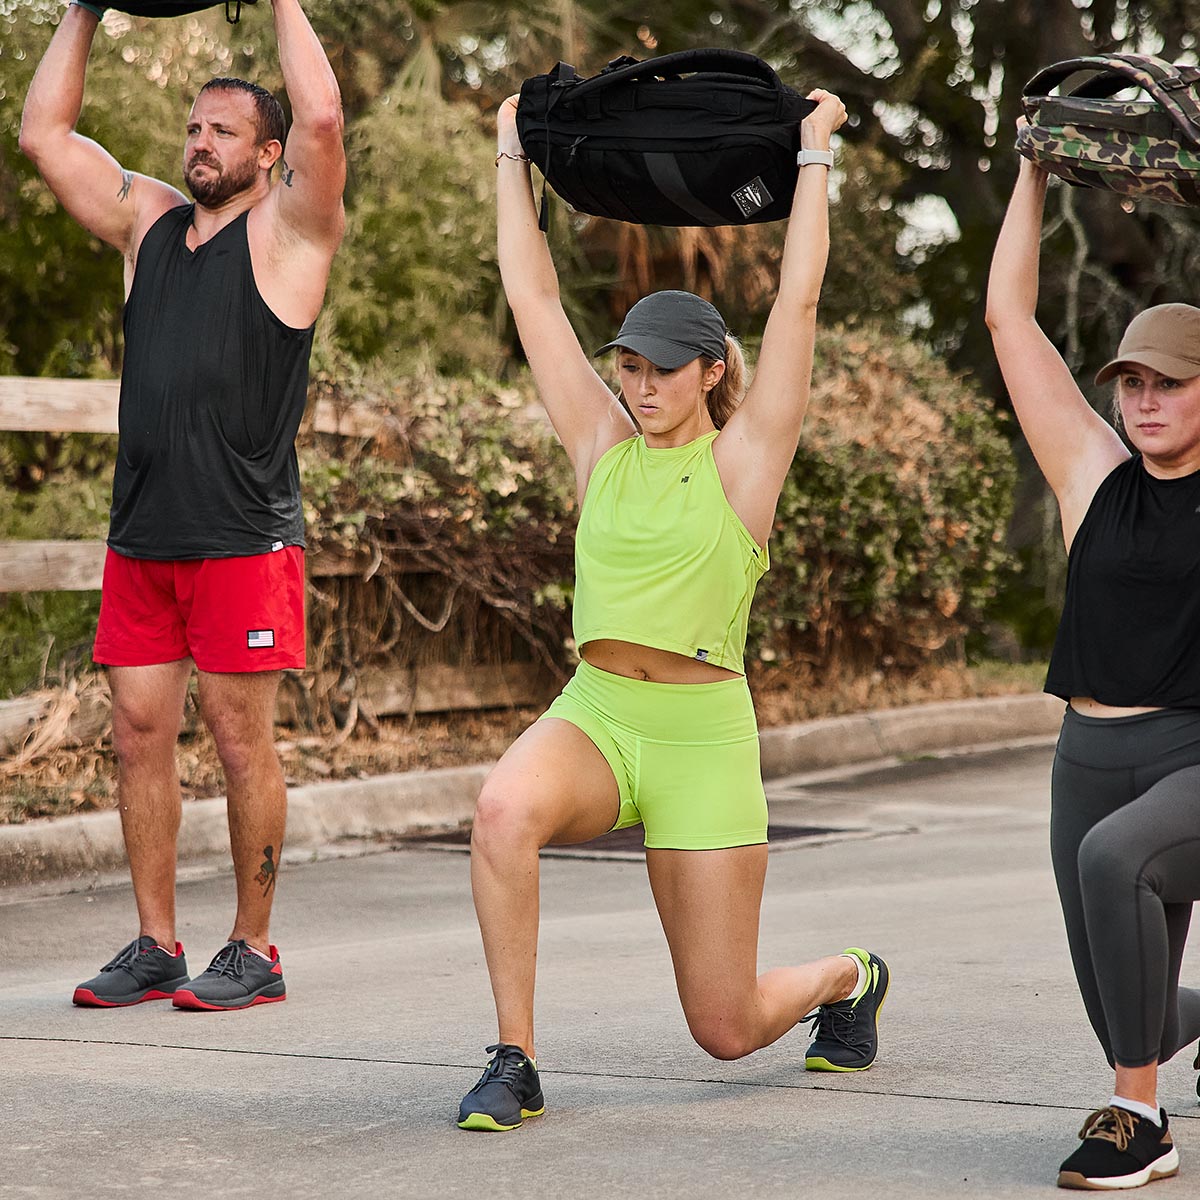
point(1141, 148)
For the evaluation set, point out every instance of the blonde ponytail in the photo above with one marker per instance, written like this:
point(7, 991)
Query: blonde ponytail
point(731, 387)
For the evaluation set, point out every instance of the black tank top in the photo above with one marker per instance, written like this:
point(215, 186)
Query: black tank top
point(212, 392)
point(1130, 628)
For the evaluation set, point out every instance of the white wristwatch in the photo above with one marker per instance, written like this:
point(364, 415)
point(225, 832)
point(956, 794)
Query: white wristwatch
point(807, 158)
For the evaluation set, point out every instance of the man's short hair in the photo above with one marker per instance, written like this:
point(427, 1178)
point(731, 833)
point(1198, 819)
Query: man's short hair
point(271, 123)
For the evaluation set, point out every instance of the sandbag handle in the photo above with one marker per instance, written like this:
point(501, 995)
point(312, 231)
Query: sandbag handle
point(1171, 86)
point(732, 62)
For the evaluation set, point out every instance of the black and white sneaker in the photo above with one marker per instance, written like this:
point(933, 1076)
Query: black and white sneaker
point(508, 1091)
point(142, 971)
point(1120, 1150)
point(236, 978)
point(846, 1036)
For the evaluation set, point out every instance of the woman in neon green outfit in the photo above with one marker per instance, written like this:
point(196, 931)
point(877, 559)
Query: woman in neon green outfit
point(657, 725)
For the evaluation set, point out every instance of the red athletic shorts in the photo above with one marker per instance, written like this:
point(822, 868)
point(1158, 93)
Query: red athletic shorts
point(226, 614)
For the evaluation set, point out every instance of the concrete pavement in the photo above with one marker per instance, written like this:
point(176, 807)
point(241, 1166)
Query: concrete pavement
point(349, 1088)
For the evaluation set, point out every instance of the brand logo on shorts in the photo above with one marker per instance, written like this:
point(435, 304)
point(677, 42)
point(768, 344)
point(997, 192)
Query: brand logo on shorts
point(260, 639)
point(752, 197)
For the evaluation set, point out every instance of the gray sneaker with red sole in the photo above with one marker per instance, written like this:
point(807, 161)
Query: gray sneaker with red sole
point(238, 977)
point(142, 971)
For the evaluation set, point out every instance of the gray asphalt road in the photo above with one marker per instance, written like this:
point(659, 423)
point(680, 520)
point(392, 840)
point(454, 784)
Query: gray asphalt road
point(350, 1088)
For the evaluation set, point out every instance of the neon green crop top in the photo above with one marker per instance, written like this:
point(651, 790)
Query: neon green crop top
point(661, 559)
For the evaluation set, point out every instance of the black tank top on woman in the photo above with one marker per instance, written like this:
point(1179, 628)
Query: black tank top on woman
point(1130, 628)
point(212, 392)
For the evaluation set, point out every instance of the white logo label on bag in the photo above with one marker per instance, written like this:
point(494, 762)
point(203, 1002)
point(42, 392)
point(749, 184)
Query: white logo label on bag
point(260, 639)
point(752, 197)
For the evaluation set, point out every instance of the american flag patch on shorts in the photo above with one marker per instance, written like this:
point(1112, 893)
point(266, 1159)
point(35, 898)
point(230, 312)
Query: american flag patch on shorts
point(260, 639)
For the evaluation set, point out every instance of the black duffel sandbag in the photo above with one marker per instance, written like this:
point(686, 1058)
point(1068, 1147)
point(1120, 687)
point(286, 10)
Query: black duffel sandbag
point(1139, 148)
point(177, 8)
point(701, 137)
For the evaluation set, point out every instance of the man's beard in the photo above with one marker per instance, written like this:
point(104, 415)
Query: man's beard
point(212, 191)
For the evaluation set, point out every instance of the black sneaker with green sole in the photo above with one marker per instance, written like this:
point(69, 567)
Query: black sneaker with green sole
point(846, 1036)
point(142, 971)
point(508, 1091)
point(1121, 1149)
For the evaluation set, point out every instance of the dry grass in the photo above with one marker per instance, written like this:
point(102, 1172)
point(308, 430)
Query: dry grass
point(785, 695)
point(48, 776)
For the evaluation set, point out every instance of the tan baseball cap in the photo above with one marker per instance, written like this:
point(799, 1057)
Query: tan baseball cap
point(1165, 338)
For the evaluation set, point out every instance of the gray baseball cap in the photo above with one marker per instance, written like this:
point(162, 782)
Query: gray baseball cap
point(671, 329)
point(1165, 338)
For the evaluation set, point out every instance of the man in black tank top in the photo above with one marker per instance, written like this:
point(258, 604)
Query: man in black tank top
point(205, 561)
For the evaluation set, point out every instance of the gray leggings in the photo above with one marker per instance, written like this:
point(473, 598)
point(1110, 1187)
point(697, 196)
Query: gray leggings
point(1125, 841)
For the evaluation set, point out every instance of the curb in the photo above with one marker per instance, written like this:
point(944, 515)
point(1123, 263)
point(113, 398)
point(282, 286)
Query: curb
point(389, 805)
point(903, 732)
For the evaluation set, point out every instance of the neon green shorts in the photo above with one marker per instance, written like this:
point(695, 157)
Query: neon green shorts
point(685, 756)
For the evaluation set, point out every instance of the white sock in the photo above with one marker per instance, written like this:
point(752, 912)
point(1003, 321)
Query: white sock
point(860, 984)
point(1136, 1106)
point(259, 953)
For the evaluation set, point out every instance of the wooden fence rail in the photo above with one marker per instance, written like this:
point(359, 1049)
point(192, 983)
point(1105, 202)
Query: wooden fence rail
point(34, 405)
point(90, 406)
point(78, 566)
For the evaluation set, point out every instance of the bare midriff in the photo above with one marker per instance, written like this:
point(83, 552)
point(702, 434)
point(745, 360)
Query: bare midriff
point(655, 666)
point(1085, 706)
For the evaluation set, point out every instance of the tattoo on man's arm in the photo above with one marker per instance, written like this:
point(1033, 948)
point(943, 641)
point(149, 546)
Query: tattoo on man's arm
point(287, 174)
point(126, 184)
point(266, 873)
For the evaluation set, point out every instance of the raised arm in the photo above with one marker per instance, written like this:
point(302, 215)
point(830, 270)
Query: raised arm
point(296, 231)
point(755, 449)
point(1074, 446)
point(313, 172)
point(115, 204)
point(586, 416)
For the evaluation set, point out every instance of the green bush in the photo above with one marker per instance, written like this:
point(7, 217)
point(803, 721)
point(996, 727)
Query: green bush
point(889, 538)
point(888, 545)
point(415, 283)
point(51, 631)
point(467, 512)
point(46, 633)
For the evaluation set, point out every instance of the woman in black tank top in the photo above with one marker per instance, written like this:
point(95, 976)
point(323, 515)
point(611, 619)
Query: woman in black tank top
point(1125, 791)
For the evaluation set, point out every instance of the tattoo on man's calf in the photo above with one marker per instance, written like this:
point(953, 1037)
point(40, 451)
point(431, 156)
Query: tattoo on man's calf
point(266, 873)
